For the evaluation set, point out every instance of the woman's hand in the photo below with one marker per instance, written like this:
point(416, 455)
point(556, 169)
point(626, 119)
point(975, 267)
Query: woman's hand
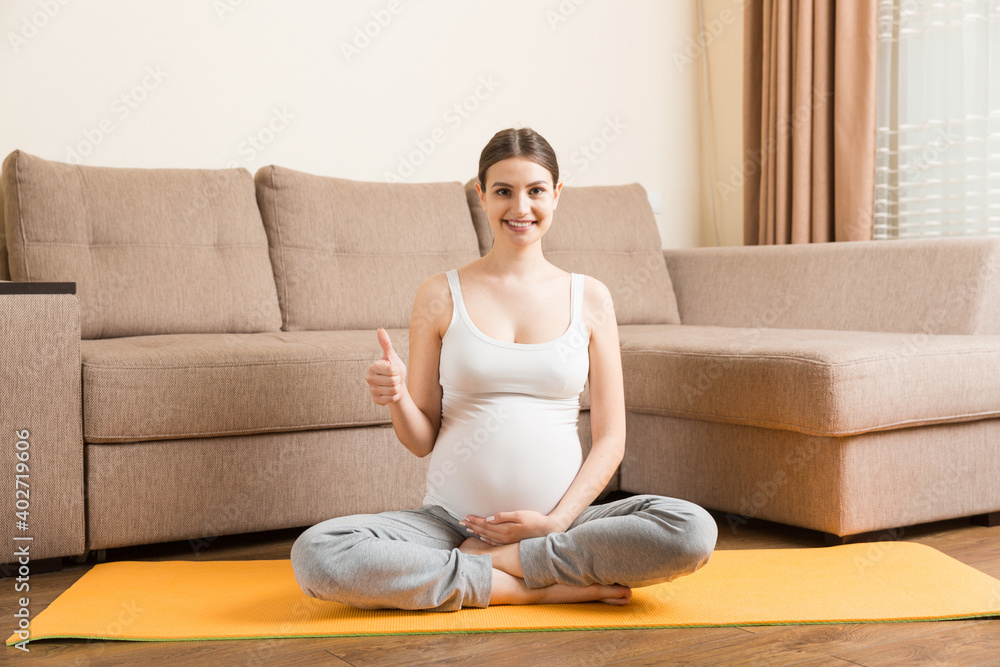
point(387, 377)
point(510, 527)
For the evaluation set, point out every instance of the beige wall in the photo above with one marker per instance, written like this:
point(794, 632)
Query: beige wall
point(723, 45)
point(216, 83)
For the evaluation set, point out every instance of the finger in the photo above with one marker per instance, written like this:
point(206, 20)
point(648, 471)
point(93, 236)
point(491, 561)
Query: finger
point(383, 340)
point(493, 534)
point(383, 381)
point(384, 368)
point(479, 524)
point(385, 393)
point(480, 530)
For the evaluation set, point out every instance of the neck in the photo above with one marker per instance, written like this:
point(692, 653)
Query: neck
point(504, 260)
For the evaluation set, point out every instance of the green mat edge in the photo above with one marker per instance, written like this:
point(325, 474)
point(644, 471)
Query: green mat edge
point(989, 614)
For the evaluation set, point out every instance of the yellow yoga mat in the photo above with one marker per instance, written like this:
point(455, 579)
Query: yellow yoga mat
point(198, 600)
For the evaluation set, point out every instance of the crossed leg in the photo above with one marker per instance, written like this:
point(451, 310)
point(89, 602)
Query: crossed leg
point(423, 559)
point(633, 542)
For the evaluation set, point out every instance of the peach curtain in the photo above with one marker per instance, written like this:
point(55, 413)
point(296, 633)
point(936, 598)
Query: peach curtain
point(808, 120)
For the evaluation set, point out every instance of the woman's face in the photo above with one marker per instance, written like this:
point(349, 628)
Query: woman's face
point(519, 199)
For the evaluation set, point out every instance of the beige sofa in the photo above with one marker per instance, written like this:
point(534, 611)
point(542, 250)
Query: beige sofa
point(207, 377)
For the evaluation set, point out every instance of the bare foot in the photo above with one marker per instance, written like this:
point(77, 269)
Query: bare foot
point(508, 589)
point(506, 557)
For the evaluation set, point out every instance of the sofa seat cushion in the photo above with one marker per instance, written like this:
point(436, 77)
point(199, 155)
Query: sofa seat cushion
point(821, 382)
point(202, 385)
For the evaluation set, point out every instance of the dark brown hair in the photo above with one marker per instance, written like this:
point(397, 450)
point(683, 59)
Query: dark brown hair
point(523, 142)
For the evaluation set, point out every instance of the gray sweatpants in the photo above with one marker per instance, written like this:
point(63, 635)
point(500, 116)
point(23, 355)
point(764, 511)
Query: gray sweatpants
point(409, 559)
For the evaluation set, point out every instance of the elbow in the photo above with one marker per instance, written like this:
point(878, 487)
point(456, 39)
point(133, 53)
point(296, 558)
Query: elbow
point(419, 450)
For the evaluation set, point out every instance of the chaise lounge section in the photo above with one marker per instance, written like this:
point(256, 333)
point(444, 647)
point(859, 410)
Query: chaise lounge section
point(847, 388)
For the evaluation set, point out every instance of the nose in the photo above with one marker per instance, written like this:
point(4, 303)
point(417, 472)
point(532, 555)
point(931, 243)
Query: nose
point(522, 205)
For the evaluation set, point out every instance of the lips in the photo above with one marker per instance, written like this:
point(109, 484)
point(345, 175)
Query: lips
point(519, 227)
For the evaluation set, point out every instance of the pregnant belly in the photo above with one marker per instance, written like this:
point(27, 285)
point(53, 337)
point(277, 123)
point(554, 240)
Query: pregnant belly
point(522, 464)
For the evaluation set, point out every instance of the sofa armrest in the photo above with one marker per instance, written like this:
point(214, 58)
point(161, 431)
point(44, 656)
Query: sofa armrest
point(932, 286)
point(41, 430)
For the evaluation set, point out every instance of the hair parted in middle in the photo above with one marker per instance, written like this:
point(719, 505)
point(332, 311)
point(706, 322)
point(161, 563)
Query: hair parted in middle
point(524, 143)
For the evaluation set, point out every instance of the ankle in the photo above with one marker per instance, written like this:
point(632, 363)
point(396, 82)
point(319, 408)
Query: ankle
point(508, 589)
point(508, 559)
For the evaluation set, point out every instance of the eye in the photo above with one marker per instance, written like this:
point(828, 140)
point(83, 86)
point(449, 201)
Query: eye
point(501, 192)
point(537, 190)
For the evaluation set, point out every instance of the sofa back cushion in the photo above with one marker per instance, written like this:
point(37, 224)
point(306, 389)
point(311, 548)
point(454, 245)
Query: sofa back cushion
point(351, 254)
point(152, 251)
point(607, 232)
point(920, 286)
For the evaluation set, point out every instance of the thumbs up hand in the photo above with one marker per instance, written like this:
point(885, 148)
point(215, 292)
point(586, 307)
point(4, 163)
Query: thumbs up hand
point(386, 377)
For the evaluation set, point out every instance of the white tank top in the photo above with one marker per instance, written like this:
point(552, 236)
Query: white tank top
point(508, 438)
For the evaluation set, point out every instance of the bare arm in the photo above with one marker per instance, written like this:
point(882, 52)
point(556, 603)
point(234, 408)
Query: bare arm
point(414, 395)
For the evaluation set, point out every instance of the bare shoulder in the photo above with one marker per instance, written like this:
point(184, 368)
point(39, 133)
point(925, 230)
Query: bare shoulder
point(432, 304)
point(598, 306)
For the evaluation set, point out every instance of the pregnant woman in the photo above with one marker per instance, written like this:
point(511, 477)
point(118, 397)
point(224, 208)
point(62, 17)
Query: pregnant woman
point(492, 394)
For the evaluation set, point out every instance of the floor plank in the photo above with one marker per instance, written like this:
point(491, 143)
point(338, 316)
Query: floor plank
point(828, 661)
point(595, 647)
point(788, 645)
point(972, 644)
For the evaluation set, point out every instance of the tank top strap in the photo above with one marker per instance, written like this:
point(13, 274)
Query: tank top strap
point(576, 287)
point(456, 292)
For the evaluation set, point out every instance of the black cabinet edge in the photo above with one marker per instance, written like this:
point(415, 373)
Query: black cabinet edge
point(37, 288)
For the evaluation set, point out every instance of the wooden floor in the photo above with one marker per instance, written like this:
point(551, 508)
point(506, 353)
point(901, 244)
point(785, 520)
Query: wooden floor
point(939, 643)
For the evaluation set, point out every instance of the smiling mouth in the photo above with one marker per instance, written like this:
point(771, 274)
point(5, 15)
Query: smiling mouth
point(519, 224)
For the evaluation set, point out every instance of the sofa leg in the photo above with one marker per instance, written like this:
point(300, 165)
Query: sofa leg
point(831, 540)
point(990, 519)
point(889, 534)
point(39, 566)
point(100, 556)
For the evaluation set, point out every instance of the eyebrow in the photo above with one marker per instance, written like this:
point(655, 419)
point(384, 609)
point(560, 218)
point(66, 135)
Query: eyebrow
point(508, 185)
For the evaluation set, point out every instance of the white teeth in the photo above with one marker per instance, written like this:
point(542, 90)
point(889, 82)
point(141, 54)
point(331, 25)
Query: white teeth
point(519, 224)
